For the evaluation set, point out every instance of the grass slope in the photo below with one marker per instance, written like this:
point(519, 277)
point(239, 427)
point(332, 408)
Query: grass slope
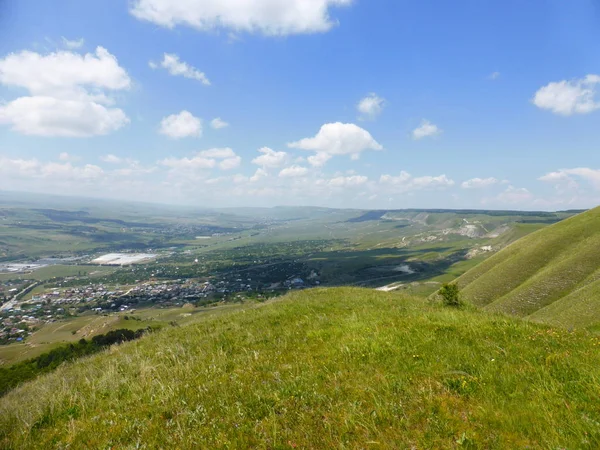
point(327, 368)
point(550, 275)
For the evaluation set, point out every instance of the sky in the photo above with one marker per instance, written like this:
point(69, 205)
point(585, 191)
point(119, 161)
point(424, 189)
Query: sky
point(491, 104)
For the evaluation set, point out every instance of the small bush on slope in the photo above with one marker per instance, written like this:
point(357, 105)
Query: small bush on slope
point(450, 295)
point(329, 368)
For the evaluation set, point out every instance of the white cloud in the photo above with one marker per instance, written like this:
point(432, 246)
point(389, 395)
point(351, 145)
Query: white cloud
point(63, 172)
point(48, 116)
point(569, 176)
point(405, 182)
point(514, 195)
point(319, 160)
point(354, 180)
point(67, 171)
point(67, 178)
point(181, 125)
point(269, 17)
point(63, 74)
point(176, 68)
point(270, 158)
point(494, 76)
point(189, 164)
point(239, 179)
point(18, 167)
point(479, 183)
point(73, 44)
point(371, 106)
point(259, 174)
point(337, 139)
point(112, 159)
point(218, 153)
point(569, 97)
point(293, 171)
point(230, 163)
point(217, 123)
point(64, 156)
point(223, 158)
point(425, 130)
point(68, 93)
point(555, 177)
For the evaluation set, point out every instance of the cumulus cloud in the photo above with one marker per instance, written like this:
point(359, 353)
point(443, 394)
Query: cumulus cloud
point(63, 172)
point(111, 159)
point(181, 125)
point(513, 195)
point(569, 97)
point(189, 164)
point(178, 68)
point(230, 163)
point(64, 156)
point(337, 139)
point(223, 158)
point(217, 123)
point(68, 93)
point(319, 160)
point(293, 171)
point(228, 158)
point(426, 129)
point(269, 17)
point(479, 183)
point(370, 107)
point(65, 177)
point(570, 176)
point(48, 116)
point(405, 182)
point(258, 175)
point(218, 153)
point(64, 74)
point(270, 158)
point(18, 167)
point(354, 180)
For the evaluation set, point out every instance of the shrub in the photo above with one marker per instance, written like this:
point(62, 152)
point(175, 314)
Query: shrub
point(450, 295)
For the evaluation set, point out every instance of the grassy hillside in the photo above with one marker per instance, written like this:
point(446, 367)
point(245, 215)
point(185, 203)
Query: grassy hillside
point(328, 368)
point(551, 275)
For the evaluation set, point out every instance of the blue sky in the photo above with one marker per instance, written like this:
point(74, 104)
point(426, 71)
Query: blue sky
point(472, 104)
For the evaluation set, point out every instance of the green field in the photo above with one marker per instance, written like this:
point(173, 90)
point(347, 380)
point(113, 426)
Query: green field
point(328, 368)
point(552, 275)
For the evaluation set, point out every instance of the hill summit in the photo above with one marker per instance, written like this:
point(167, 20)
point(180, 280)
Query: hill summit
point(324, 368)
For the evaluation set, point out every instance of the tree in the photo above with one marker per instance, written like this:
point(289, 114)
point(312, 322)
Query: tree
point(450, 295)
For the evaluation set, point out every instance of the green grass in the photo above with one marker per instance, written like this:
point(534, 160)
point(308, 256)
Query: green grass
point(62, 332)
point(550, 275)
point(328, 368)
point(88, 325)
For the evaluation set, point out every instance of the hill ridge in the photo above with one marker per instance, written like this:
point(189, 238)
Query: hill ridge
point(539, 269)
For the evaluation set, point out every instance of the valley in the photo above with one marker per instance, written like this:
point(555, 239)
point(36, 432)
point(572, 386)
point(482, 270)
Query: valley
point(141, 256)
